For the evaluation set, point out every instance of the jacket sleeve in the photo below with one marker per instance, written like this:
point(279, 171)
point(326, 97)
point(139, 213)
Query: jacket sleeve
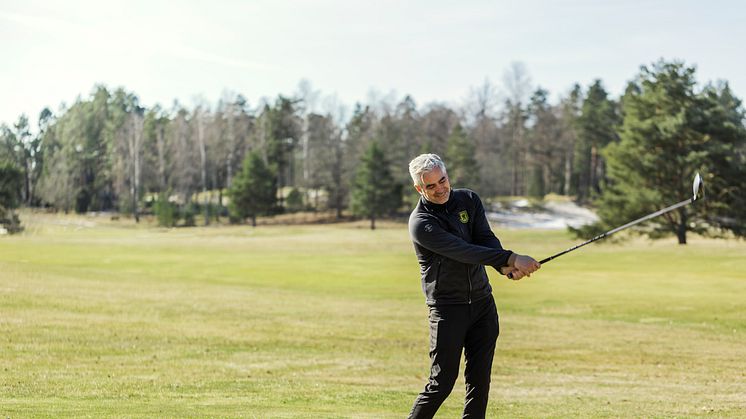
point(482, 232)
point(429, 234)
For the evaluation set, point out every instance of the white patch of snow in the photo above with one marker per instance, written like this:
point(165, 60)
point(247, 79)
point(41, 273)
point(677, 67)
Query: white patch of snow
point(554, 216)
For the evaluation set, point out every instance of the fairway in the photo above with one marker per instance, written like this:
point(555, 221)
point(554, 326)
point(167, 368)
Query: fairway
point(103, 318)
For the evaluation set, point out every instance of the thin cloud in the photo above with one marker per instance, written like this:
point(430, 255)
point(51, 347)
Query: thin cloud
point(39, 22)
point(190, 53)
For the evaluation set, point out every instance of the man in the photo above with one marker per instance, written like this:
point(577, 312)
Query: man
point(453, 242)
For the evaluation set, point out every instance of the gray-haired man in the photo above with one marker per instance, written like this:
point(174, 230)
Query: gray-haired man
point(453, 242)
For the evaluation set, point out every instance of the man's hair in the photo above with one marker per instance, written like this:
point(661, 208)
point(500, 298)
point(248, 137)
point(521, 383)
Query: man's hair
point(425, 163)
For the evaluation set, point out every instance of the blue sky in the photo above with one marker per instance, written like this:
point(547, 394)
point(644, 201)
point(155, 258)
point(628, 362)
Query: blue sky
point(435, 50)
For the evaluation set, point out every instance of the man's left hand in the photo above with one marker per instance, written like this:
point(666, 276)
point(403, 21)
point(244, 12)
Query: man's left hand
point(516, 274)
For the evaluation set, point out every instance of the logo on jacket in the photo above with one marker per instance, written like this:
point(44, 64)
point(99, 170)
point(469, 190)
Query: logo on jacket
point(463, 216)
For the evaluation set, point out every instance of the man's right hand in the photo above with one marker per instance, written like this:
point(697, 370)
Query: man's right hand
point(525, 265)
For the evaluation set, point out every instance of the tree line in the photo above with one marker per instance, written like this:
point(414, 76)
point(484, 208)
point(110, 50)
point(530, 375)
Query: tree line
point(108, 152)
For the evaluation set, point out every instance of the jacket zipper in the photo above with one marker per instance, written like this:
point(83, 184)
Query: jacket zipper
point(468, 271)
point(468, 276)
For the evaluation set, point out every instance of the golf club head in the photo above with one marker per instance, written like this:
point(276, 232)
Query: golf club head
point(698, 188)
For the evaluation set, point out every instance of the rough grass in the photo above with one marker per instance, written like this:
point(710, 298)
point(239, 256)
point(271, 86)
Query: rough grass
point(105, 318)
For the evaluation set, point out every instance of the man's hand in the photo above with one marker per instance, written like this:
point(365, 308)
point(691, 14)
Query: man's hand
point(526, 264)
point(520, 266)
point(511, 273)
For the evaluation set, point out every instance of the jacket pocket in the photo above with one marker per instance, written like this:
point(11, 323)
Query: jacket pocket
point(431, 280)
point(452, 283)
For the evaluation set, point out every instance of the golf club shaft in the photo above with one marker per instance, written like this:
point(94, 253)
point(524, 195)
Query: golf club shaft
point(610, 232)
point(618, 229)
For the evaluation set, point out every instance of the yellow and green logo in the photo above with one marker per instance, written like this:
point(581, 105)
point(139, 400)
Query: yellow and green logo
point(463, 216)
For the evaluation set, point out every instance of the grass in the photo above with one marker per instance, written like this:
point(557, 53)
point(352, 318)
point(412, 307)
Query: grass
point(105, 318)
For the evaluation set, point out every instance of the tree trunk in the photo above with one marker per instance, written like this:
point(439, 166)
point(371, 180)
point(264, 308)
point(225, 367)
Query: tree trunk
point(161, 159)
point(372, 222)
point(203, 165)
point(231, 150)
point(514, 182)
point(220, 204)
point(136, 182)
point(27, 182)
point(253, 220)
point(681, 227)
point(135, 145)
point(568, 173)
point(133, 193)
point(593, 189)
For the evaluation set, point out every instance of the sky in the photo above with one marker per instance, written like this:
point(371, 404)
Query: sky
point(350, 51)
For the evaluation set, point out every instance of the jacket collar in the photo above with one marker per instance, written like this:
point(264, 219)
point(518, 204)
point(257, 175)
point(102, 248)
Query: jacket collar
point(438, 207)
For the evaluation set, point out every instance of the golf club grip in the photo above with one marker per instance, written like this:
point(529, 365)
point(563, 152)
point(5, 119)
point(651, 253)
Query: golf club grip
point(541, 262)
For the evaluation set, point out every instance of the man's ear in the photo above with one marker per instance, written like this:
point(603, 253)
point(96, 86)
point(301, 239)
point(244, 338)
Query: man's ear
point(418, 188)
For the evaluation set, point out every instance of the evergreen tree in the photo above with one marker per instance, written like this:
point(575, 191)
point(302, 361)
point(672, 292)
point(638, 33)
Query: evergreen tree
point(670, 132)
point(254, 190)
point(597, 126)
point(78, 156)
point(11, 185)
point(24, 150)
point(546, 150)
point(463, 169)
point(124, 136)
point(722, 121)
point(282, 127)
point(375, 193)
point(93, 148)
point(569, 110)
point(165, 212)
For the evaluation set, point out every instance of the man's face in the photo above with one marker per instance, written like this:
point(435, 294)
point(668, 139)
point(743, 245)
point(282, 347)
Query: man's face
point(437, 188)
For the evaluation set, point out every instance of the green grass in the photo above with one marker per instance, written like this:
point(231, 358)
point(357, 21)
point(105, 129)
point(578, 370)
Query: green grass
point(104, 318)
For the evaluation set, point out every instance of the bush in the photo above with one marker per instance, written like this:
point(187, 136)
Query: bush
point(11, 181)
point(9, 221)
point(294, 201)
point(188, 213)
point(165, 211)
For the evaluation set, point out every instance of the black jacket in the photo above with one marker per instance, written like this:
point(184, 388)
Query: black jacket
point(453, 243)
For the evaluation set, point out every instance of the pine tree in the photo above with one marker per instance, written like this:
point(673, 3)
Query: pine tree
point(375, 192)
point(669, 133)
point(463, 170)
point(597, 126)
point(254, 190)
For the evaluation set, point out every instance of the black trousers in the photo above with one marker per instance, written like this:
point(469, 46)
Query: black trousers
point(473, 328)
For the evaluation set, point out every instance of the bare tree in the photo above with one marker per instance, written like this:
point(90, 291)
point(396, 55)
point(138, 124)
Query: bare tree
point(437, 123)
point(134, 142)
point(308, 101)
point(185, 171)
point(160, 133)
point(200, 118)
point(339, 185)
point(482, 102)
point(479, 116)
point(518, 87)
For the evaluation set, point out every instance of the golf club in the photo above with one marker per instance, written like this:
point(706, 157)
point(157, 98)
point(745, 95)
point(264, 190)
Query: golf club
point(698, 192)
